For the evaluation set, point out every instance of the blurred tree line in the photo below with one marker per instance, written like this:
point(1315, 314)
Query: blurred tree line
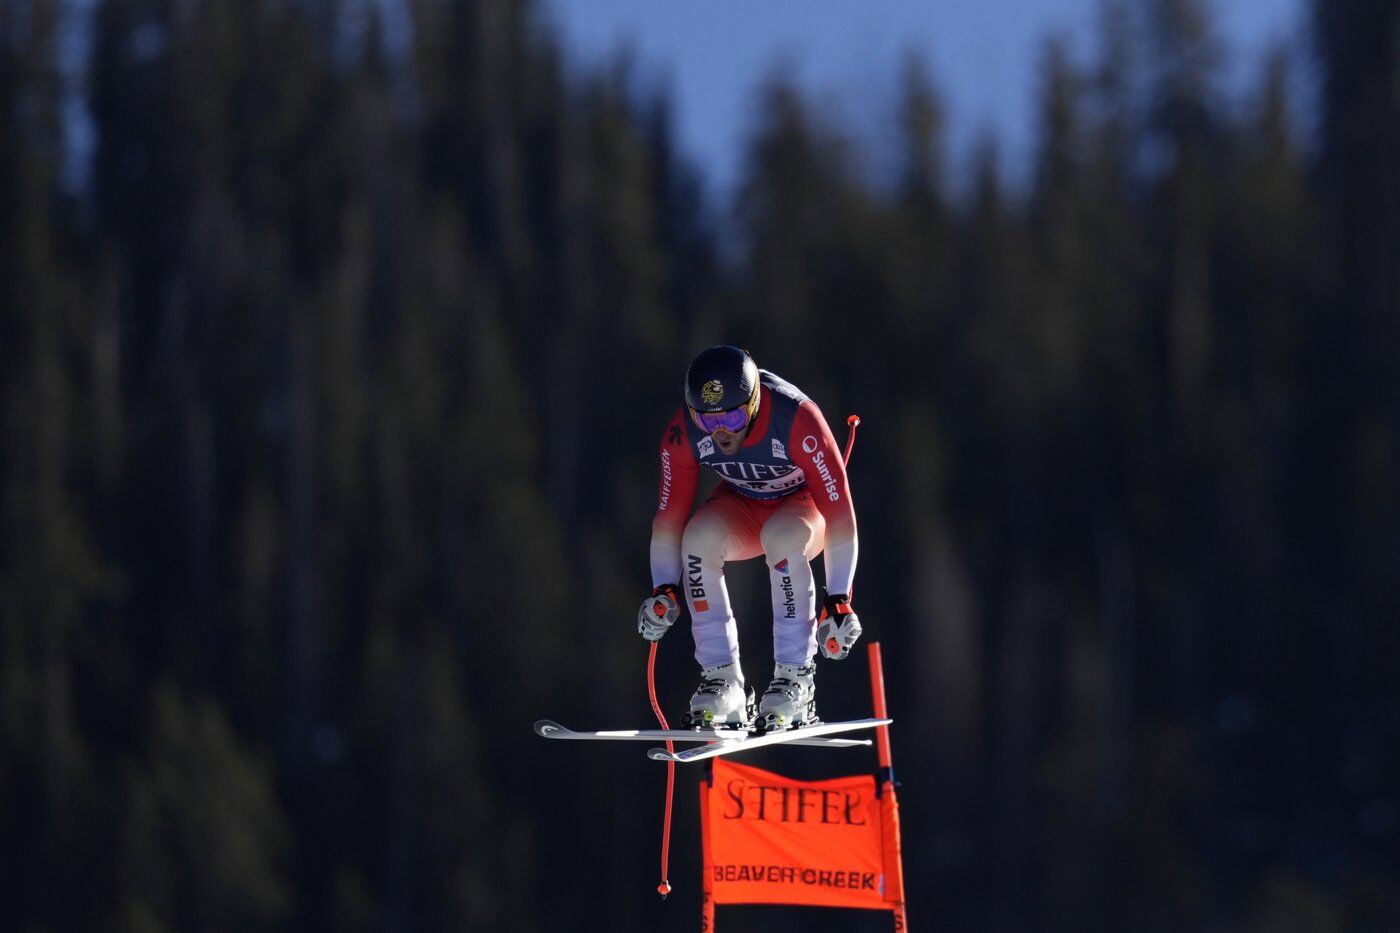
point(335, 341)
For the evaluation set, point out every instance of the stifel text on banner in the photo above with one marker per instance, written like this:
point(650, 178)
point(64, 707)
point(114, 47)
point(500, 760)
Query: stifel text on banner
point(775, 840)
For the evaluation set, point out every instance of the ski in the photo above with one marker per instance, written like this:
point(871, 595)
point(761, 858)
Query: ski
point(552, 730)
point(798, 736)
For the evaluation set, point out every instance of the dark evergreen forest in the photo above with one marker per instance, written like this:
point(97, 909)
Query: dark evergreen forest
point(335, 346)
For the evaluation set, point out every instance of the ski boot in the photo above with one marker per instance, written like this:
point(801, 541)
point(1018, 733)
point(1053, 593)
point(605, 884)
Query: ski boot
point(790, 700)
point(720, 702)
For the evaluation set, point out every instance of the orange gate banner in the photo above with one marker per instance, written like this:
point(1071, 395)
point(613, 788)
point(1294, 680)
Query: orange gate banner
point(773, 840)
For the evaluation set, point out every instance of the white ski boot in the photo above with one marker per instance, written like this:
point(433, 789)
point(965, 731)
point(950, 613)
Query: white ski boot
point(791, 699)
point(720, 702)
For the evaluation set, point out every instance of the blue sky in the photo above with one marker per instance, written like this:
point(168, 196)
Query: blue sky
point(982, 54)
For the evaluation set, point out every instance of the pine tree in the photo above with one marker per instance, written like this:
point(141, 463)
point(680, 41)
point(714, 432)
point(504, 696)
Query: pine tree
point(51, 573)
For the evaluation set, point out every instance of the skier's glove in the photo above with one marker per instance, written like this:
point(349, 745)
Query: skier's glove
point(659, 612)
point(837, 627)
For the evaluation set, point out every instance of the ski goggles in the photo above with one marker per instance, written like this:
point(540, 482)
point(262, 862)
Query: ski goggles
point(732, 420)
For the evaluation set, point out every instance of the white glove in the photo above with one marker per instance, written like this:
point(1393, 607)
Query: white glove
point(838, 627)
point(659, 612)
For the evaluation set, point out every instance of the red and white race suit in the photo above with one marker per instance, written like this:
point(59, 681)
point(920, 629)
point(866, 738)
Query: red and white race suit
point(784, 496)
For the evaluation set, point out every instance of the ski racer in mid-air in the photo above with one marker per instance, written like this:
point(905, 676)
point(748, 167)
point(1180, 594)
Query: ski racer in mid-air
point(784, 496)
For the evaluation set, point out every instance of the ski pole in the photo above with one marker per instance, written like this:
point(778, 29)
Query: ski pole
point(664, 887)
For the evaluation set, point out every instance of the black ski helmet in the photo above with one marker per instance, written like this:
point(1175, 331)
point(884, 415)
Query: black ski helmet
point(722, 378)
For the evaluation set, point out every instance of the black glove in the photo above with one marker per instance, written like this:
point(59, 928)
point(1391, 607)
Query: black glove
point(838, 627)
point(659, 612)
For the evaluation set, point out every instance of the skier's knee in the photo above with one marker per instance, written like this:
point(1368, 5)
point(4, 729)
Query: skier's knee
point(704, 537)
point(783, 539)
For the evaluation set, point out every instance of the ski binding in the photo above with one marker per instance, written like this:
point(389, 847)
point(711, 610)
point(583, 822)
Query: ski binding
point(817, 734)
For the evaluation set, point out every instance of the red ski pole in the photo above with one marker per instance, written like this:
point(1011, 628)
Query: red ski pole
point(664, 887)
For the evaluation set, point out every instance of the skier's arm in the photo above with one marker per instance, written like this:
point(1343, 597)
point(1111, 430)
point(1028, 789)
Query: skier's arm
point(814, 449)
point(679, 475)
